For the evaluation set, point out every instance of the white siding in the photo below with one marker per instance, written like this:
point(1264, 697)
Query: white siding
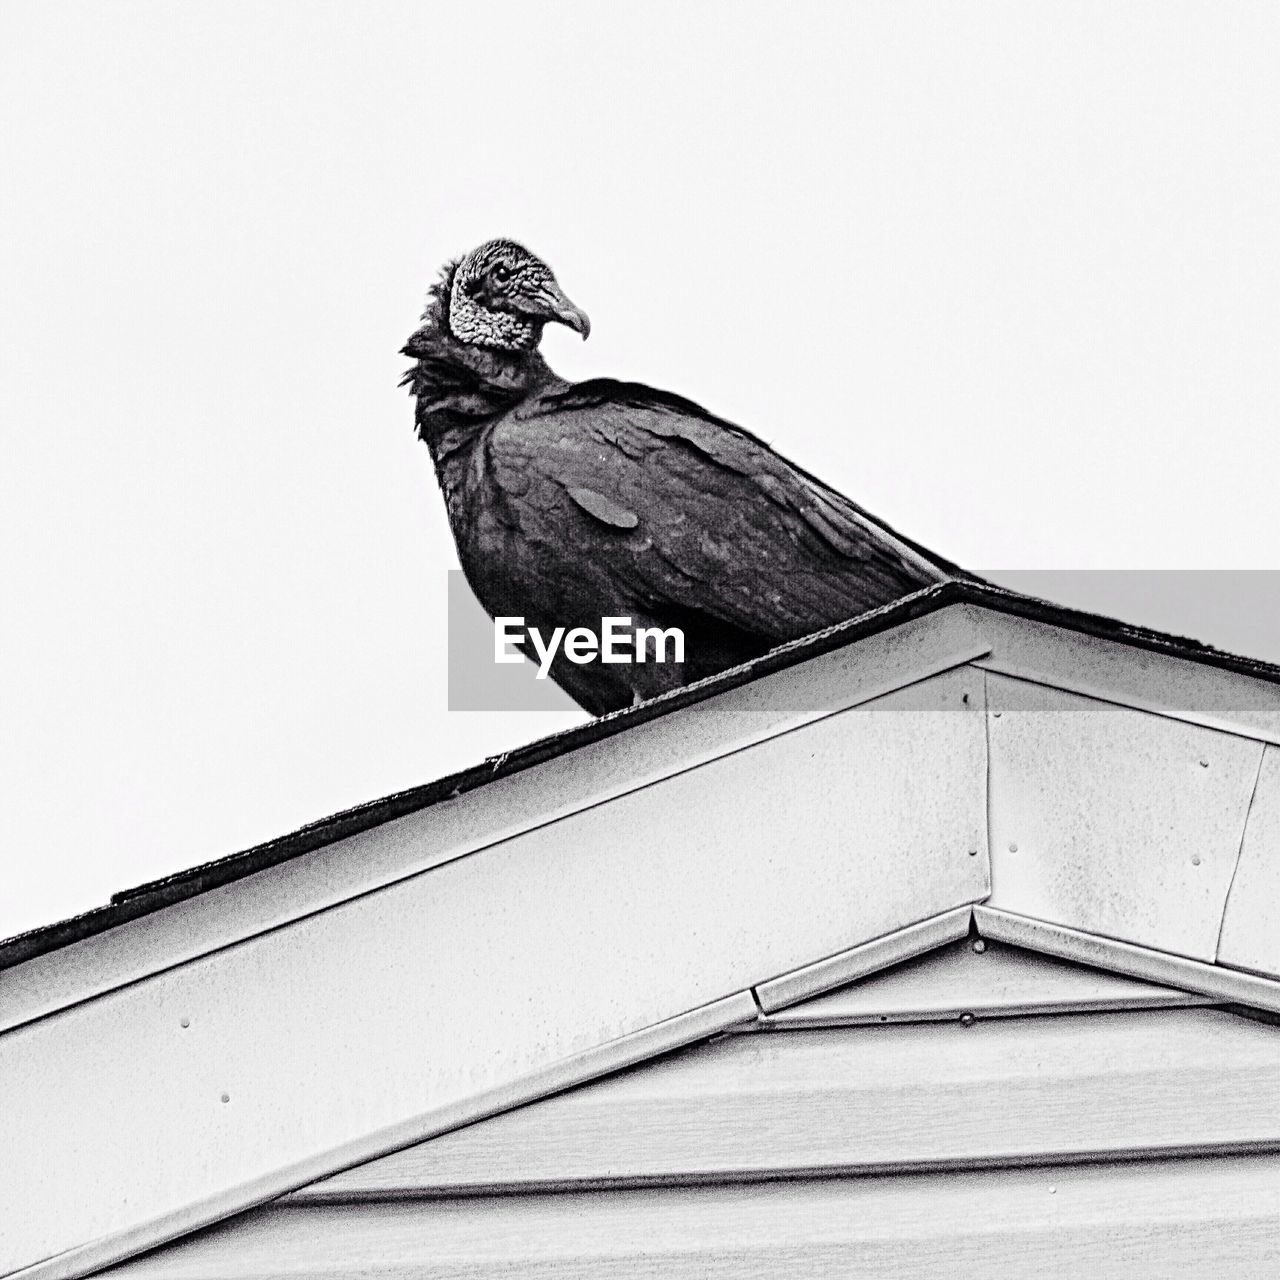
point(1185, 1218)
point(934, 1149)
point(864, 1098)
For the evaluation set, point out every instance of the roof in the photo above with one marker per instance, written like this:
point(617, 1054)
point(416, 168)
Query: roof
point(141, 900)
point(967, 758)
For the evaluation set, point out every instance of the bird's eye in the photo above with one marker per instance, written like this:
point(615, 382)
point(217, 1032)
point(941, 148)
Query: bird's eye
point(502, 273)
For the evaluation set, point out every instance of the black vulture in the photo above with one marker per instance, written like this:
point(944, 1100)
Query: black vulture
point(574, 502)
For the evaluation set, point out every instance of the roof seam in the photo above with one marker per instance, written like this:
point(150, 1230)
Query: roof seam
point(1244, 831)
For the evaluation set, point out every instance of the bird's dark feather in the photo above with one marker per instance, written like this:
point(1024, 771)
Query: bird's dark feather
point(601, 391)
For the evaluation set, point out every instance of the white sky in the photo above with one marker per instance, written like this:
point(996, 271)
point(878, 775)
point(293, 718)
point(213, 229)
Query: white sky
point(1008, 274)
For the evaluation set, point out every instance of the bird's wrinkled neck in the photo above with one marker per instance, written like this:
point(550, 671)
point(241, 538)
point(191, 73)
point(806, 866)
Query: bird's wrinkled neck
point(460, 387)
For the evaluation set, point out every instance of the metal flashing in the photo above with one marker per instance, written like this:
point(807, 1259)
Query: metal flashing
point(980, 978)
point(857, 962)
point(1224, 984)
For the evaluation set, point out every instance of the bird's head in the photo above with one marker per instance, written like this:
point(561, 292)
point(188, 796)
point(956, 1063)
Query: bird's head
point(501, 296)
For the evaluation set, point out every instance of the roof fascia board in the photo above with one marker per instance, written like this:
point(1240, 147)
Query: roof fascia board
point(1177, 686)
point(145, 899)
point(406, 846)
point(1163, 967)
point(1246, 687)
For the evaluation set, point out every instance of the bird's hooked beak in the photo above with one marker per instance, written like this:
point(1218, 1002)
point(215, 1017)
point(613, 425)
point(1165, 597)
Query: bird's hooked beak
point(552, 305)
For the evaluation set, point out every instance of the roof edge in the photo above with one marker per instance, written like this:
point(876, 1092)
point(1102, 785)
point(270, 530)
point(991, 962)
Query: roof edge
point(131, 904)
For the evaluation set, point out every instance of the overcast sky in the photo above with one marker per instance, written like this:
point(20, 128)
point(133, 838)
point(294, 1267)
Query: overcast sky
point(1007, 274)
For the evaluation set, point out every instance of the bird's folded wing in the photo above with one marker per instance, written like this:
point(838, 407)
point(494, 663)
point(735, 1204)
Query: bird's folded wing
point(681, 509)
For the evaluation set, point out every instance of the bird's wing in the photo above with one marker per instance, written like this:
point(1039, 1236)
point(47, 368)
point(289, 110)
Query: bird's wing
point(682, 509)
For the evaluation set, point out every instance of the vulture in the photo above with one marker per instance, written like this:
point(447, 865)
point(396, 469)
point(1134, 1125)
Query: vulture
point(575, 502)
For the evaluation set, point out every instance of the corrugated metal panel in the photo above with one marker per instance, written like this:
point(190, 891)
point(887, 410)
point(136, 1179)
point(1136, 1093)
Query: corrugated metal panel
point(410, 1010)
point(1113, 821)
point(991, 982)
point(872, 1097)
point(501, 809)
point(1251, 924)
point(1201, 1217)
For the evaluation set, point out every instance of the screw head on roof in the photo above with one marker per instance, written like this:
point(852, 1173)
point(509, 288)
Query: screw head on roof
point(967, 1019)
point(979, 945)
point(1204, 764)
point(1013, 848)
point(996, 714)
point(1195, 859)
point(186, 1022)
